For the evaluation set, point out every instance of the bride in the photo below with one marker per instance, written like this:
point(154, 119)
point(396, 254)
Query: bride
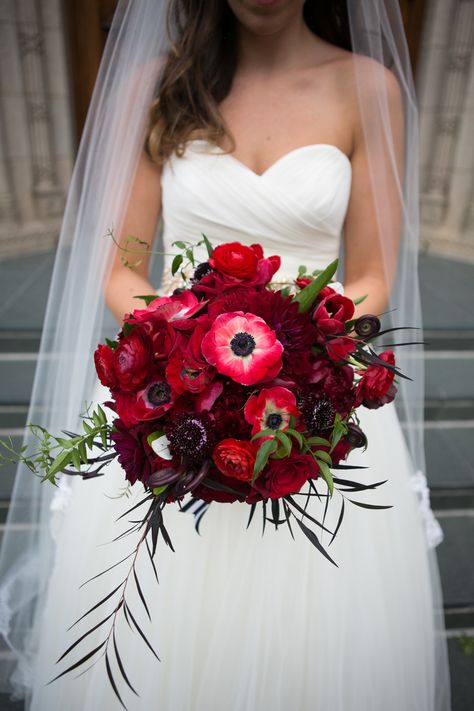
point(269, 125)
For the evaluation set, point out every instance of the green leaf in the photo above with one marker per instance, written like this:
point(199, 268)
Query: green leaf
point(160, 489)
point(111, 344)
point(82, 452)
point(360, 300)
point(327, 476)
point(102, 415)
point(318, 440)
point(190, 255)
point(179, 244)
point(127, 327)
point(296, 435)
point(301, 270)
point(263, 454)
point(147, 298)
point(321, 454)
point(263, 433)
point(307, 296)
point(176, 263)
point(208, 245)
point(61, 461)
point(76, 459)
point(285, 442)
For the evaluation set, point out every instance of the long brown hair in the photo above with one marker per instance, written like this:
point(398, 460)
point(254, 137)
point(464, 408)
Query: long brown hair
point(200, 67)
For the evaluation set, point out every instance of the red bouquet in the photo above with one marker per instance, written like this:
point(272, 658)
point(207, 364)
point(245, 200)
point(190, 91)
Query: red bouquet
point(239, 388)
point(236, 387)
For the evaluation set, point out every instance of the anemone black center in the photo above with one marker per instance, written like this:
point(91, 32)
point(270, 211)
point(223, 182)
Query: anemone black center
point(159, 393)
point(242, 344)
point(274, 421)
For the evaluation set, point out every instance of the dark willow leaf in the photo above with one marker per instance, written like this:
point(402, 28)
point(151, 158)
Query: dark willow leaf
point(98, 604)
point(287, 511)
point(142, 598)
point(107, 569)
point(275, 512)
point(112, 681)
point(347, 466)
point(139, 630)
point(83, 659)
point(369, 506)
point(78, 641)
point(165, 535)
point(306, 514)
point(356, 486)
point(252, 511)
point(264, 512)
point(140, 503)
point(314, 540)
point(199, 518)
point(151, 560)
point(341, 516)
point(120, 665)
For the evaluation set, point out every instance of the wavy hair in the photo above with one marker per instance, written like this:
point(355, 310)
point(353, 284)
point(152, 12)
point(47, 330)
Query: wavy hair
point(199, 70)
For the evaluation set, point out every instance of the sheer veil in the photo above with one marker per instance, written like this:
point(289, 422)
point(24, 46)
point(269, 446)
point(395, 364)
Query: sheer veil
point(76, 316)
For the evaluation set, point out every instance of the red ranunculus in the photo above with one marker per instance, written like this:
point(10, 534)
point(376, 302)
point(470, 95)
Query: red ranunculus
point(286, 476)
point(104, 365)
point(235, 458)
point(239, 263)
point(376, 387)
point(133, 359)
point(235, 259)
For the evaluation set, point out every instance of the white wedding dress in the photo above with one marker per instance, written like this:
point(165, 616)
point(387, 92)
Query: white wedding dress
point(241, 621)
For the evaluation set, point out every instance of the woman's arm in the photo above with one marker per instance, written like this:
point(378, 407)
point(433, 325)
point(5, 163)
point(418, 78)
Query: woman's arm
point(140, 220)
point(370, 257)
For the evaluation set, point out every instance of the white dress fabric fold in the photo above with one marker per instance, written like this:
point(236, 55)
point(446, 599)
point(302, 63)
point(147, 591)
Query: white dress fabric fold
point(243, 621)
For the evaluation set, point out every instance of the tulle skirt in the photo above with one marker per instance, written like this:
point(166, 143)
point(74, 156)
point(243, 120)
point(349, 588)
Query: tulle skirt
point(245, 622)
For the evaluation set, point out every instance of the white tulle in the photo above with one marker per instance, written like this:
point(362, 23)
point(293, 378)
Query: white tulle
point(241, 621)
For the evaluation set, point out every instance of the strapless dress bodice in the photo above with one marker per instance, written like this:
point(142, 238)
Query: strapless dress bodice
point(296, 208)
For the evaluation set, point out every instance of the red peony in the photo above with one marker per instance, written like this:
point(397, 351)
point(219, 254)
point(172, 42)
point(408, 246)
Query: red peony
point(376, 387)
point(235, 458)
point(243, 347)
point(133, 359)
point(271, 409)
point(286, 476)
point(104, 365)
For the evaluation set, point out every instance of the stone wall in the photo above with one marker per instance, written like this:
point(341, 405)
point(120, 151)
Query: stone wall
point(36, 146)
point(445, 83)
point(36, 132)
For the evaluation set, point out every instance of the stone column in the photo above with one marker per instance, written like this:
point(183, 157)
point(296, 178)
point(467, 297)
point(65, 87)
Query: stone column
point(445, 84)
point(36, 150)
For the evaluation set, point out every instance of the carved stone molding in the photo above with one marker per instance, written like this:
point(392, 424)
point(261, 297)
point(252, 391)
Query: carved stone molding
point(445, 85)
point(35, 136)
